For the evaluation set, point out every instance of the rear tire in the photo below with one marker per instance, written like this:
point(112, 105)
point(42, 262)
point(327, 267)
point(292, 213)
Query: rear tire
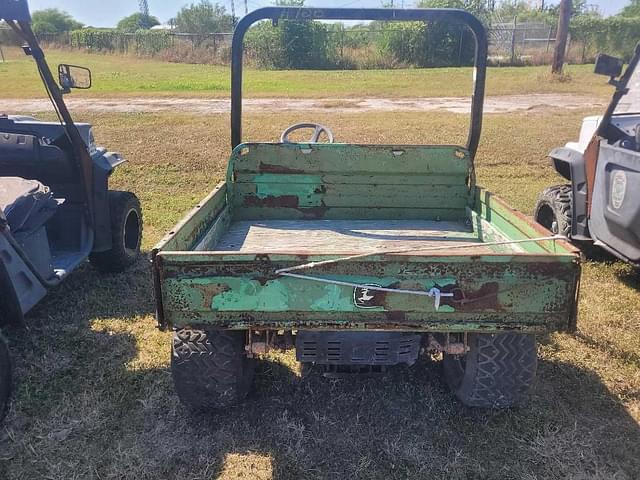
point(553, 209)
point(126, 234)
point(497, 372)
point(5, 377)
point(210, 367)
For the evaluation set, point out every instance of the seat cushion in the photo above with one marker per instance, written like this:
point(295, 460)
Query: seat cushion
point(26, 204)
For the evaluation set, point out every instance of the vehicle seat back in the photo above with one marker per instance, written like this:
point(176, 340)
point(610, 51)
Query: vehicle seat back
point(26, 204)
point(31, 157)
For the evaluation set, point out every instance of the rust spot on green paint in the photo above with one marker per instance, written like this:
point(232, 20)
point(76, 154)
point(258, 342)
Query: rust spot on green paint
point(271, 201)
point(483, 298)
point(210, 290)
point(285, 201)
point(269, 168)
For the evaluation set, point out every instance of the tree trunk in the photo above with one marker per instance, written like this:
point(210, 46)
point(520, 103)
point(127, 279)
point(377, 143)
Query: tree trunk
point(561, 36)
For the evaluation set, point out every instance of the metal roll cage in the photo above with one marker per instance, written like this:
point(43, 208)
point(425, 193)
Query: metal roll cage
point(453, 16)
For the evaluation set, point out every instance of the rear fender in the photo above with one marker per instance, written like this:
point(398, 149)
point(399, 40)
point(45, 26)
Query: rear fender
point(570, 164)
point(104, 163)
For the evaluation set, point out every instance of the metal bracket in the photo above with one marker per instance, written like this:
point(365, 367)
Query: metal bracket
point(450, 348)
point(437, 294)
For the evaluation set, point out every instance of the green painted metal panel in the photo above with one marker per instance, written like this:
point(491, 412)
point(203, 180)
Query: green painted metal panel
point(516, 226)
point(219, 226)
point(424, 180)
point(341, 159)
point(531, 290)
point(313, 180)
point(238, 260)
point(218, 292)
point(381, 321)
point(274, 212)
point(345, 195)
point(196, 223)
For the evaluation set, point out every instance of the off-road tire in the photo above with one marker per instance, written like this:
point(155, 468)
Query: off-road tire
point(497, 372)
point(126, 234)
point(5, 377)
point(210, 367)
point(553, 209)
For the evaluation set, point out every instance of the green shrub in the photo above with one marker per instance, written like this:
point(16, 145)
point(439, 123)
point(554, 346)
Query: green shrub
point(429, 44)
point(150, 42)
point(613, 35)
point(290, 44)
point(142, 42)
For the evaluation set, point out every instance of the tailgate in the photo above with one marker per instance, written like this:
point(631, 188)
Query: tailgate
point(525, 292)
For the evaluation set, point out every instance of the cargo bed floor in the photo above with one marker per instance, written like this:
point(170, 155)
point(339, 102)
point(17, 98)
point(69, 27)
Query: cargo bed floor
point(347, 236)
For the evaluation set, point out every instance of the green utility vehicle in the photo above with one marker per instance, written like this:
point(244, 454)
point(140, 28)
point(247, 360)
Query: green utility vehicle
point(360, 257)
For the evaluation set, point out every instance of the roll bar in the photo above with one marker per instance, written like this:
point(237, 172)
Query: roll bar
point(381, 14)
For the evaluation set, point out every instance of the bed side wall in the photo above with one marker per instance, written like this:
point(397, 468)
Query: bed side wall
point(514, 225)
point(191, 230)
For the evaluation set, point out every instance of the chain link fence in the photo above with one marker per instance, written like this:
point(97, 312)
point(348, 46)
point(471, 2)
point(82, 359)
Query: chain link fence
point(360, 47)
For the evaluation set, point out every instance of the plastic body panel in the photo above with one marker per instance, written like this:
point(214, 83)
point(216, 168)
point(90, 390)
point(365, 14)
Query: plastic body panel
point(570, 164)
point(615, 214)
point(27, 287)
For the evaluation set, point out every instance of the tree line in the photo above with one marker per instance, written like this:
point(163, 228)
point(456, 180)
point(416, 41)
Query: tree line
point(305, 44)
point(198, 18)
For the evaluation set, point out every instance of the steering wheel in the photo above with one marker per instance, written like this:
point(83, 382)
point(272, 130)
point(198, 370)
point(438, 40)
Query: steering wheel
point(317, 131)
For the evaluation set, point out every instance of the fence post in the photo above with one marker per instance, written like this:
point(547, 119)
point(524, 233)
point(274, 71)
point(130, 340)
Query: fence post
point(513, 40)
point(460, 46)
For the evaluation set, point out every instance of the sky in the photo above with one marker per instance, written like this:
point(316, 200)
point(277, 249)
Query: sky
point(106, 13)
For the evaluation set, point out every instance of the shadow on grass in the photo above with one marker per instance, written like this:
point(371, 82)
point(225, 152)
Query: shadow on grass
point(630, 276)
point(95, 400)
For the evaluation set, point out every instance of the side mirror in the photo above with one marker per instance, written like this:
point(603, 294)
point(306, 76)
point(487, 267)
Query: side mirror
point(608, 66)
point(73, 76)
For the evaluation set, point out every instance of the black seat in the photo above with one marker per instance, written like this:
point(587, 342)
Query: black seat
point(26, 204)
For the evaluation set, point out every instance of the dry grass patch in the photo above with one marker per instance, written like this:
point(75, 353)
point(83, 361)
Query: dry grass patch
point(95, 398)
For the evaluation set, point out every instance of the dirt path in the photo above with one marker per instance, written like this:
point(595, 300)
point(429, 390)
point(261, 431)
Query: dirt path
point(497, 104)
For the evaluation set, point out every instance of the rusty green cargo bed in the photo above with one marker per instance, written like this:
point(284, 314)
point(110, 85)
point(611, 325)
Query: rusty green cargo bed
point(415, 213)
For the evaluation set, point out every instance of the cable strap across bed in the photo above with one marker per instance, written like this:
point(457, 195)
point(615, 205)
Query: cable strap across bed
point(434, 292)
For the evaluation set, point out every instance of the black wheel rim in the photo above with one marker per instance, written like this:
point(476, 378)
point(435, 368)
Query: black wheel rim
point(131, 233)
point(547, 218)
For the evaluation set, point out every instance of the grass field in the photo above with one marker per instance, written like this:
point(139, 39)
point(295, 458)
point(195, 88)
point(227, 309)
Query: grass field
point(129, 76)
point(95, 399)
